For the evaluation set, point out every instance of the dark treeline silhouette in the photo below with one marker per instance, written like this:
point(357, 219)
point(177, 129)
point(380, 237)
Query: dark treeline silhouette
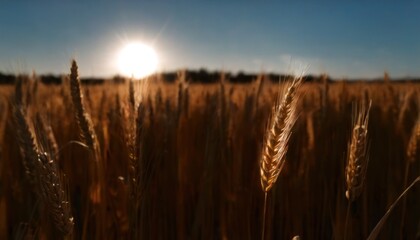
point(7, 78)
point(192, 76)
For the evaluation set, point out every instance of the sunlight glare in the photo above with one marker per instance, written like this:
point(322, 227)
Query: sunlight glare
point(137, 60)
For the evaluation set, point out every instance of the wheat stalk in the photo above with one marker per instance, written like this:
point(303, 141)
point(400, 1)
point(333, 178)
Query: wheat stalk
point(48, 135)
point(276, 140)
point(49, 182)
point(134, 135)
point(131, 94)
point(27, 144)
point(43, 174)
point(375, 232)
point(83, 119)
point(277, 135)
point(412, 154)
point(18, 97)
point(259, 83)
point(357, 158)
point(182, 84)
point(413, 144)
point(96, 169)
point(53, 195)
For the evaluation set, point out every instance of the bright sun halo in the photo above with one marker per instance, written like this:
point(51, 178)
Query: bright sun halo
point(137, 60)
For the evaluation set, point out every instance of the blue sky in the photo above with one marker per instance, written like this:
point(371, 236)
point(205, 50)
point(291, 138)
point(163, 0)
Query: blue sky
point(357, 39)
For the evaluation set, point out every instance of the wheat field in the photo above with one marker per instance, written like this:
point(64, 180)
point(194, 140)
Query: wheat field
point(159, 160)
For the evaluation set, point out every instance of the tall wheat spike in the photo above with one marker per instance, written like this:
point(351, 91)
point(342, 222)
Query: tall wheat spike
point(95, 168)
point(131, 94)
point(277, 135)
point(83, 119)
point(181, 81)
point(27, 144)
point(18, 97)
point(49, 139)
point(53, 195)
point(50, 184)
point(276, 139)
point(25, 137)
point(413, 144)
point(43, 174)
point(357, 158)
point(134, 135)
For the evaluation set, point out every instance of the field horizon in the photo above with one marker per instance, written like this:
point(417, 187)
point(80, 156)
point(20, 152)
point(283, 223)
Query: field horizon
point(203, 76)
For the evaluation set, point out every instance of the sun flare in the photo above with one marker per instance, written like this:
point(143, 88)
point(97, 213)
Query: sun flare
point(137, 60)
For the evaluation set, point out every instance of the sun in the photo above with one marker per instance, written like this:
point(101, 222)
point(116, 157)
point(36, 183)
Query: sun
point(137, 60)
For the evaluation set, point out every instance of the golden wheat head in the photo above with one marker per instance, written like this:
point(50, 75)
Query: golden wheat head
point(83, 119)
point(43, 174)
point(278, 132)
point(53, 195)
point(27, 143)
point(413, 144)
point(357, 158)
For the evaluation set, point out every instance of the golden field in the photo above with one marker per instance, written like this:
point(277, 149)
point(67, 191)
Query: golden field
point(182, 161)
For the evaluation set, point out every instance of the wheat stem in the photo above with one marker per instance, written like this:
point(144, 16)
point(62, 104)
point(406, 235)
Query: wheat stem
point(347, 220)
point(357, 158)
point(264, 216)
point(375, 232)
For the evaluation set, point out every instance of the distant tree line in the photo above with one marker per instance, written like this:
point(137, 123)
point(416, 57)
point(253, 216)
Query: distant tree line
point(192, 76)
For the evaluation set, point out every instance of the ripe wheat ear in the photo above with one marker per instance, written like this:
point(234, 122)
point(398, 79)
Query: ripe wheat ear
point(357, 158)
point(277, 135)
point(84, 121)
point(276, 140)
